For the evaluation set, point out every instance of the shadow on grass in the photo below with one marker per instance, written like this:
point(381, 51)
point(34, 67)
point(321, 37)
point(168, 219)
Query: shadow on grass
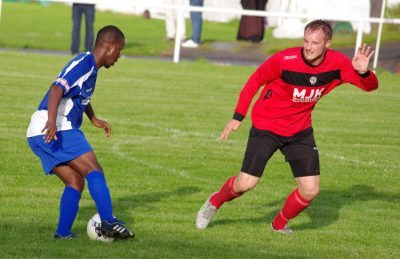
point(125, 205)
point(324, 210)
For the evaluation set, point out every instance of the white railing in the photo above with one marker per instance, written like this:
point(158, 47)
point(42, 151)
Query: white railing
point(182, 9)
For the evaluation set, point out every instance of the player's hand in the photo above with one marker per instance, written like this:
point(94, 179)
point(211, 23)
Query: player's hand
point(102, 124)
point(361, 59)
point(232, 125)
point(49, 130)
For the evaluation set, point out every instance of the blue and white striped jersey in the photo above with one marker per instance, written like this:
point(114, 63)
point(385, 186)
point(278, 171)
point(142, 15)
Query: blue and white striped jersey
point(77, 80)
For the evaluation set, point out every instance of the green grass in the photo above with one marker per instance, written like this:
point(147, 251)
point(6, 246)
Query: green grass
point(31, 25)
point(163, 160)
point(35, 26)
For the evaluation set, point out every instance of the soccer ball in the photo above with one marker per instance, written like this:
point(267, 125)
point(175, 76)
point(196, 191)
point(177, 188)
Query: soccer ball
point(93, 229)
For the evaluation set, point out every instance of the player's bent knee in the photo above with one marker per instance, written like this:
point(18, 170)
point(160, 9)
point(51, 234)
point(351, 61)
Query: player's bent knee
point(77, 183)
point(314, 192)
point(243, 188)
point(309, 193)
point(245, 183)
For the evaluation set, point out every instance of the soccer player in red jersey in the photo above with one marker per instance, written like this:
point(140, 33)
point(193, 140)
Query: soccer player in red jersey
point(292, 82)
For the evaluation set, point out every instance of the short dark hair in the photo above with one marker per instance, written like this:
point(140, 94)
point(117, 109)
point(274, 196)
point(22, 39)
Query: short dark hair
point(322, 25)
point(109, 33)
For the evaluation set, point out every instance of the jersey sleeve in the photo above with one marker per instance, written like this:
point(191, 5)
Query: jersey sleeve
point(267, 72)
point(74, 74)
point(367, 82)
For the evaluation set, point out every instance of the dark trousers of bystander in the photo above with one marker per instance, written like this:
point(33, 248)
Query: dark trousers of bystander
point(77, 12)
point(251, 28)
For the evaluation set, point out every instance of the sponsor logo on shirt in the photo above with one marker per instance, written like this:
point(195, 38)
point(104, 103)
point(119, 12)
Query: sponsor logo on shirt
point(86, 101)
point(64, 83)
point(313, 80)
point(307, 95)
point(290, 57)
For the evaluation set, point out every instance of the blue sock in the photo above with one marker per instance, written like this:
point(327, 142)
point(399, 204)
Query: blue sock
point(68, 209)
point(101, 195)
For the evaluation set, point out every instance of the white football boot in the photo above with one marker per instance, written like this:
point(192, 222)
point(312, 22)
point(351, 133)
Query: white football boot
point(205, 214)
point(286, 230)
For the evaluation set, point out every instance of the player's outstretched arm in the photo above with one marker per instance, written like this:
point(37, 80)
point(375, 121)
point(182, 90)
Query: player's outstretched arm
point(232, 125)
point(361, 59)
point(96, 121)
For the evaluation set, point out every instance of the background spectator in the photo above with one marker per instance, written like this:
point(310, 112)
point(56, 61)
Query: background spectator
point(196, 19)
point(171, 20)
point(77, 11)
point(252, 27)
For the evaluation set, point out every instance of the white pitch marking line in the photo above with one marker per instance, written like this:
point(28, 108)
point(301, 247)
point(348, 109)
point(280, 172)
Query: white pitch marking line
point(361, 162)
point(116, 149)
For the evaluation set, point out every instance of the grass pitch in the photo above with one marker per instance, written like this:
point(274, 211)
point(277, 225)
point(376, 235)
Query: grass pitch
point(163, 160)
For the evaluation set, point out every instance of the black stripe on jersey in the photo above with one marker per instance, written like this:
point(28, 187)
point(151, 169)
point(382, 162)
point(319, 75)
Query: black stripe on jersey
point(305, 79)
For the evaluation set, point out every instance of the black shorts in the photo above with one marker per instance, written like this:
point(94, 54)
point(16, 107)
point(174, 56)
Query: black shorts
point(299, 150)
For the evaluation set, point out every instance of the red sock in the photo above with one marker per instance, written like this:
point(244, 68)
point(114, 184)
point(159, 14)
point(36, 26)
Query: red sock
point(293, 206)
point(226, 193)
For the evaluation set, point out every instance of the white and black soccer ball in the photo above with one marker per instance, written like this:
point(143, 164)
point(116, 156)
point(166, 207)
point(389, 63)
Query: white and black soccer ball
point(94, 229)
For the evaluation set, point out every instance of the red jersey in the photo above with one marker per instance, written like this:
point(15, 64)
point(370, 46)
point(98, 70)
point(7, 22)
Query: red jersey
point(292, 87)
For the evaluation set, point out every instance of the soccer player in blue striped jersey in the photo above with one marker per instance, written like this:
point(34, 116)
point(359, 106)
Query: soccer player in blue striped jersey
point(54, 135)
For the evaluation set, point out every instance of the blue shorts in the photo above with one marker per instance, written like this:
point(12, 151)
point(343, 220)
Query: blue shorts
point(70, 144)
